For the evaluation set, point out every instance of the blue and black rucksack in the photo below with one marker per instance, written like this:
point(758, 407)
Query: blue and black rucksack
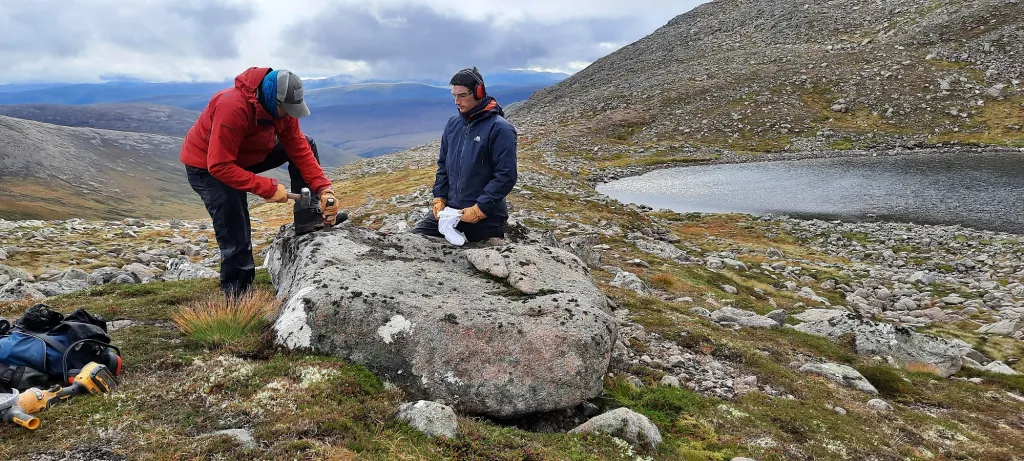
point(44, 347)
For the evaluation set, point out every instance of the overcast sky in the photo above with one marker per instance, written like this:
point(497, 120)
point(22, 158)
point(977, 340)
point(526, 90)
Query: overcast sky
point(184, 40)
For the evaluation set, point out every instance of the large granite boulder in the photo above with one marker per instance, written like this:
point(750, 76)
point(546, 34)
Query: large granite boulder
point(501, 331)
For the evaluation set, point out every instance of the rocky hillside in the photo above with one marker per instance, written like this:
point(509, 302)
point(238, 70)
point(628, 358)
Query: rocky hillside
point(713, 337)
point(768, 75)
point(57, 172)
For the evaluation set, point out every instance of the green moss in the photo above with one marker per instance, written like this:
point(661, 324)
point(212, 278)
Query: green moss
point(859, 237)
point(841, 144)
point(1008, 382)
point(887, 380)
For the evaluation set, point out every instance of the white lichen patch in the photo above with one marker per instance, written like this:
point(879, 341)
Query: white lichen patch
point(626, 451)
point(292, 328)
point(452, 379)
point(274, 397)
point(732, 412)
point(219, 370)
point(312, 376)
point(396, 325)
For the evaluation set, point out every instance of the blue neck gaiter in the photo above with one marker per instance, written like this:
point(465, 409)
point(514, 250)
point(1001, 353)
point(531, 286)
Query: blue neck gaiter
point(268, 97)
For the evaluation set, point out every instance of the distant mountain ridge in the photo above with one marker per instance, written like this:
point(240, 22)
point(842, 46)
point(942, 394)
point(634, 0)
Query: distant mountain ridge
point(133, 91)
point(350, 118)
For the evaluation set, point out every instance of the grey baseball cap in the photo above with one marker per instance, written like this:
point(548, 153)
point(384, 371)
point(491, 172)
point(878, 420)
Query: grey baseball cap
point(289, 94)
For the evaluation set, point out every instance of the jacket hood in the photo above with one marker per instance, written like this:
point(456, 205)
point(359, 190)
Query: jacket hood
point(248, 81)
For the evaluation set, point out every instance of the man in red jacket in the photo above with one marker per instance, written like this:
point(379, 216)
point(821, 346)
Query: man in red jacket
point(248, 129)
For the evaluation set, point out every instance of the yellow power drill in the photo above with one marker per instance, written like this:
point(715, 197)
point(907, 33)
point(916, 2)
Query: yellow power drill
point(13, 413)
point(93, 379)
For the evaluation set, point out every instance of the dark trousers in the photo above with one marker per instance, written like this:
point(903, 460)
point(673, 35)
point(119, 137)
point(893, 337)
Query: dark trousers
point(475, 232)
point(229, 210)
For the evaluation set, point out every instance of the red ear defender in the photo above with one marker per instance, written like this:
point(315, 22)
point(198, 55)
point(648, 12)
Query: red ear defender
point(480, 92)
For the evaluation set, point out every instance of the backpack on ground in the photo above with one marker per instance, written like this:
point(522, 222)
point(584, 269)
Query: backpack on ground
point(44, 347)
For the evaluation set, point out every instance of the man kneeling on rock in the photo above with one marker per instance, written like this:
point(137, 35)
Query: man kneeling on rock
point(251, 128)
point(476, 168)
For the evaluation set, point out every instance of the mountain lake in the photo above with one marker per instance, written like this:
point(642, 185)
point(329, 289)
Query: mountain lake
point(977, 190)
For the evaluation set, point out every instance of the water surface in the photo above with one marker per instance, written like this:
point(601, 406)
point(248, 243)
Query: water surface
point(984, 191)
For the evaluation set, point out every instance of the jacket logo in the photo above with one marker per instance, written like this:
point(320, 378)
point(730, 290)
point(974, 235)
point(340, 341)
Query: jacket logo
point(477, 139)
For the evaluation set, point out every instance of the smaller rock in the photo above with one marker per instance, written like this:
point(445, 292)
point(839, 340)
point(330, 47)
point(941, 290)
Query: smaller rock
point(841, 374)
point(976, 380)
point(630, 281)
point(431, 418)
point(625, 424)
point(141, 272)
point(879, 405)
point(180, 269)
point(19, 289)
point(192, 250)
point(735, 264)
point(670, 381)
point(701, 312)
point(1001, 368)
point(74, 274)
point(714, 263)
point(742, 318)
point(808, 293)
point(729, 289)
point(119, 325)
point(922, 278)
point(840, 411)
point(639, 263)
point(123, 279)
point(778, 315)
point(953, 299)
point(1003, 327)
point(60, 287)
point(8, 273)
point(818, 315)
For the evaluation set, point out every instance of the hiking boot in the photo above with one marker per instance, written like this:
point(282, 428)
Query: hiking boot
point(307, 218)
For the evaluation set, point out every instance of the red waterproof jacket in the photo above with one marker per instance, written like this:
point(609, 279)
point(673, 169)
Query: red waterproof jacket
point(234, 131)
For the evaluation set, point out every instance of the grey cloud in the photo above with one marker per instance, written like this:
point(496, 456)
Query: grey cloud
point(38, 27)
point(50, 28)
point(417, 40)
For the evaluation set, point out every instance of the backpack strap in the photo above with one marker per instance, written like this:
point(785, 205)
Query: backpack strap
point(5, 327)
point(10, 376)
point(48, 340)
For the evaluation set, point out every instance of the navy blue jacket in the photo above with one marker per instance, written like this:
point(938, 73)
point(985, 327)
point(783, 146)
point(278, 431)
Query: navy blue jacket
point(477, 164)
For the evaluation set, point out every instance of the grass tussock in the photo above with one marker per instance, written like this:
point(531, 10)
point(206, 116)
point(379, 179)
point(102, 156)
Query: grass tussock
point(917, 367)
point(666, 282)
point(215, 322)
